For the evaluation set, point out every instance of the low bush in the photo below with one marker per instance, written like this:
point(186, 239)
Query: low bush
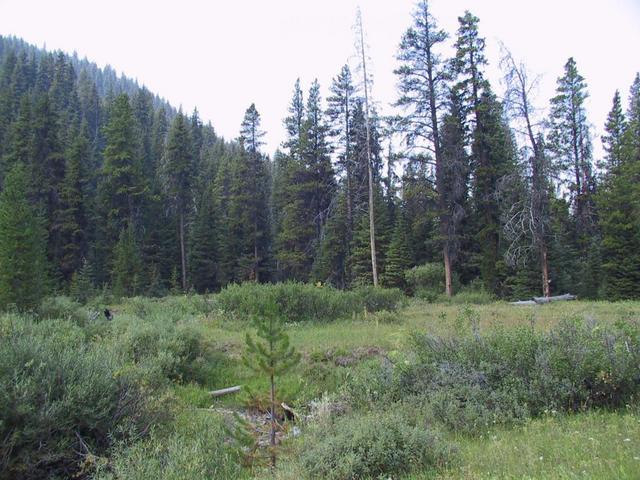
point(193, 449)
point(427, 277)
point(63, 399)
point(473, 381)
point(166, 348)
point(298, 302)
point(374, 445)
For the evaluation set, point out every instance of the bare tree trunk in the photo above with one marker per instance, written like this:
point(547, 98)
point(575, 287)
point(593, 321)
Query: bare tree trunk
point(183, 257)
point(447, 272)
point(372, 226)
point(272, 432)
point(546, 291)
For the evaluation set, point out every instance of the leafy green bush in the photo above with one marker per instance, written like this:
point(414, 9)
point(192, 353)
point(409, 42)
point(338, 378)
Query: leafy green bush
point(374, 445)
point(194, 449)
point(62, 398)
point(299, 302)
point(165, 348)
point(429, 276)
point(63, 308)
point(473, 381)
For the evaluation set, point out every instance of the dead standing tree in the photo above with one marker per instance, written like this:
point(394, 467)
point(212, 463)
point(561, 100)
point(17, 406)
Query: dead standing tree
point(372, 229)
point(527, 220)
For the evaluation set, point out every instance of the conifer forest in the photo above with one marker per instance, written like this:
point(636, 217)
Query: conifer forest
point(374, 299)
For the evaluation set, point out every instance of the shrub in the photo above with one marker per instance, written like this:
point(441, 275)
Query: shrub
point(299, 302)
point(429, 276)
point(194, 449)
point(165, 348)
point(61, 398)
point(473, 381)
point(372, 446)
point(63, 308)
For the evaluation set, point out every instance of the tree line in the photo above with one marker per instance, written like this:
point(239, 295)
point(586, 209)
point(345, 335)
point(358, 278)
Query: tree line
point(105, 185)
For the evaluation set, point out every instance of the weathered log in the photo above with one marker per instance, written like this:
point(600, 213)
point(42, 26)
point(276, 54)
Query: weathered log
point(557, 298)
point(225, 391)
point(544, 300)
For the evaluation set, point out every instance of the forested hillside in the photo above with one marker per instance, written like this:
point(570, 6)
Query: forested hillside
point(106, 186)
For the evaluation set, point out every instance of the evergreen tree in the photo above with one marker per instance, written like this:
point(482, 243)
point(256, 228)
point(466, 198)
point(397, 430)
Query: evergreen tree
point(203, 251)
point(613, 141)
point(73, 219)
point(128, 271)
point(340, 112)
point(570, 143)
point(252, 195)
point(619, 201)
point(121, 188)
point(23, 263)
point(493, 142)
point(398, 258)
point(178, 181)
point(424, 92)
point(273, 357)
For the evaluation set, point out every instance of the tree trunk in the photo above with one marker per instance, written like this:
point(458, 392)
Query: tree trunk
point(272, 433)
point(183, 256)
point(447, 272)
point(546, 291)
point(372, 226)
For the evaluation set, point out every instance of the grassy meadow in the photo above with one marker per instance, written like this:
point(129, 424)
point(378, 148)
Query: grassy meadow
point(414, 390)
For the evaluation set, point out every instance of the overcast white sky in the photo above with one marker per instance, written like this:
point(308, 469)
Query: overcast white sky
point(222, 56)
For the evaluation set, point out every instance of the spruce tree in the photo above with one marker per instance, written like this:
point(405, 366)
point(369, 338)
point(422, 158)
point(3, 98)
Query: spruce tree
point(619, 201)
point(203, 251)
point(398, 258)
point(128, 271)
point(73, 218)
point(23, 262)
point(273, 356)
point(178, 182)
point(252, 195)
point(569, 141)
point(121, 187)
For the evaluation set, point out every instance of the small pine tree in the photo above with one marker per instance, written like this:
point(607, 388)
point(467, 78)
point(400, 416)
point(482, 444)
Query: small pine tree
point(82, 283)
point(272, 357)
point(23, 263)
point(398, 256)
point(127, 268)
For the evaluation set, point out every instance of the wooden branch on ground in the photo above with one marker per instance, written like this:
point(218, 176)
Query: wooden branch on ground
point(225, 391)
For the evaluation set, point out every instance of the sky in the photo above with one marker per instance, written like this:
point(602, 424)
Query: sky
point(223, 56)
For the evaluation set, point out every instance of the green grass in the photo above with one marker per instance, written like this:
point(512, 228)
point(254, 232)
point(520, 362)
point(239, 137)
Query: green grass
point(592, 445)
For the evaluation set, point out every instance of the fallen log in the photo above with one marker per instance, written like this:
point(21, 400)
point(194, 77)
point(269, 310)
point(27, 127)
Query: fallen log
point(545, 300)
point(225, 391)
point(557, 298)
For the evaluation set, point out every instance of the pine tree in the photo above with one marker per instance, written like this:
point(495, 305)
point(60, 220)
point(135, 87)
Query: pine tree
point(178, 181)
point(73, 219)
point(272, 357)
point(570, 143)
point(398, 258)
point(321, 183)
point(128, 271)
point(203, 252)
point(424, 92)
point(340, 113)
point(493, 142)
point(619, 201)
point(23, 263)
point(613, 141)
point(252, 195)
point(121, 187)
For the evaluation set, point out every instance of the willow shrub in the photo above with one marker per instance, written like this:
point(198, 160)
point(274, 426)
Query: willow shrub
point(298, 302)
